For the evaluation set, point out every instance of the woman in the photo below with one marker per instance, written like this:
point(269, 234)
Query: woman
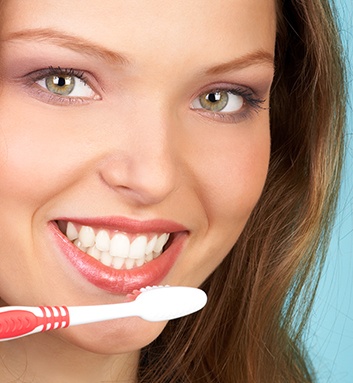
point(210, 132)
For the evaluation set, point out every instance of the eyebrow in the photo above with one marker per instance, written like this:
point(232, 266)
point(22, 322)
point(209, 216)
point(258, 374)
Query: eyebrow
point(259, 57)
point(72, 42)
point(88, 47)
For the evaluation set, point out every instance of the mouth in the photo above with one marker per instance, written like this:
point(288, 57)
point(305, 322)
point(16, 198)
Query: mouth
point(120, 255)
point(119, 250)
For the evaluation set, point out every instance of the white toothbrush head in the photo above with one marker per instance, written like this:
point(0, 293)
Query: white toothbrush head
point(169, 302)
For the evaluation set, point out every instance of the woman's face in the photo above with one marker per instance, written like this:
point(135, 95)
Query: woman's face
point(123, 125)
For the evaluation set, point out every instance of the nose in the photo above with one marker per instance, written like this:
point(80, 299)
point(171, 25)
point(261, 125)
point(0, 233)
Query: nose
point(141, 164)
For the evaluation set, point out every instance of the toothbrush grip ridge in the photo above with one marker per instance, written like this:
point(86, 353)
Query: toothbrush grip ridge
point(16, 322)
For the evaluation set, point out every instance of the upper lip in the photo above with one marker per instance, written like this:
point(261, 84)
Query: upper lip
point(128, 225)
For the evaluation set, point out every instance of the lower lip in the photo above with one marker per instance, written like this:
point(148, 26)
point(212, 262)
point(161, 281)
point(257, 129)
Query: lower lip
point(119, 281)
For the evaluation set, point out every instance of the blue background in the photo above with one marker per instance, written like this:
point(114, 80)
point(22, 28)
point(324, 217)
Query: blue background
point(330, 336)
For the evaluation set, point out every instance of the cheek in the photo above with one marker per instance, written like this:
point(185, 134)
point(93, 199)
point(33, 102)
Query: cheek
point(38, 151)
point(233, 174)
point(229, 175)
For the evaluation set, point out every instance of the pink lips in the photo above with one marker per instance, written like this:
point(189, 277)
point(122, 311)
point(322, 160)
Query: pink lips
point(122, 281)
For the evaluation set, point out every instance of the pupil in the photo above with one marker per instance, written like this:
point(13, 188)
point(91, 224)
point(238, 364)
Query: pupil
point(61, 81)
point(213, 97)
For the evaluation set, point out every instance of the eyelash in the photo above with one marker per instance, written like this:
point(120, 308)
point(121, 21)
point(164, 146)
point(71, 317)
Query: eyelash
point(67, 72)
point(249, 98)
point(251, 104)
point(45, 95)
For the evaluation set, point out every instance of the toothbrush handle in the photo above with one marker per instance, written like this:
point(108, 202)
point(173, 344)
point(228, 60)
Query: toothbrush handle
point(18, 321)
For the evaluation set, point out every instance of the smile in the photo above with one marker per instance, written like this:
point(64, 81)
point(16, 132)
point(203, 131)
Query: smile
point(116, 249)
point(118, 254)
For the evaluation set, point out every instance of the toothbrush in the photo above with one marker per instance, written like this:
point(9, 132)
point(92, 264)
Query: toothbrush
point(153, 304)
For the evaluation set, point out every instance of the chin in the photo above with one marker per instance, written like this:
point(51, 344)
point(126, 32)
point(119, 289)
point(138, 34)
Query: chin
point(111, 337)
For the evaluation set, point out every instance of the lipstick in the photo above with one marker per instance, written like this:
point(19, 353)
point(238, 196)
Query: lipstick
point(122, 281)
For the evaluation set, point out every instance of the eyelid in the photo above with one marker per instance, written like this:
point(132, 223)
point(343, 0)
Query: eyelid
point(221, 86)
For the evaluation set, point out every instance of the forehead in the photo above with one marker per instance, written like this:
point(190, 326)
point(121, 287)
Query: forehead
point(170, 26)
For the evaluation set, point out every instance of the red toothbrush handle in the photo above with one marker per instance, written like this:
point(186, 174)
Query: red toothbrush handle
point(19, 321)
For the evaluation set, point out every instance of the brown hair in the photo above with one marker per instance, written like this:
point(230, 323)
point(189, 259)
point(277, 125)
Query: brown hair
point(261, 295)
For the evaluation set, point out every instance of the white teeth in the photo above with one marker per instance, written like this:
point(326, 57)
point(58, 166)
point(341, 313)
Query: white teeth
point(150, 245)
point(103, 241)
point(161, 241)
point(116, 252)
point(87, 236)
point(138, 247)
point(78, 243)
point(120, 246)
point(118, 262)
point(140, 262)
point(94, 252)
point(71, 232)
point(129, 263)
point(106, 258)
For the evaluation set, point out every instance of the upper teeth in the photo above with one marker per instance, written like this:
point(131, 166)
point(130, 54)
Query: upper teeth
point(118, 251)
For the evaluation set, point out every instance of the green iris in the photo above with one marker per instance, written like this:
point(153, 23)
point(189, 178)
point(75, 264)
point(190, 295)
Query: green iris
point(214, 101)
point(62, 85)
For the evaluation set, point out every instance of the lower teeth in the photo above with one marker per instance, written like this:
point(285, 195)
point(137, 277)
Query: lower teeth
point(116, 262)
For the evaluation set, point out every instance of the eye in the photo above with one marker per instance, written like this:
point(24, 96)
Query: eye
point(66, 85)
point(62, 86)
point(228, 105)
point(219, 101)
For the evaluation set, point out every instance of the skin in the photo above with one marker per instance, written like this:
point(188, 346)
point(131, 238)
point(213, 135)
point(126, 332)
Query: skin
point(140, 150)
